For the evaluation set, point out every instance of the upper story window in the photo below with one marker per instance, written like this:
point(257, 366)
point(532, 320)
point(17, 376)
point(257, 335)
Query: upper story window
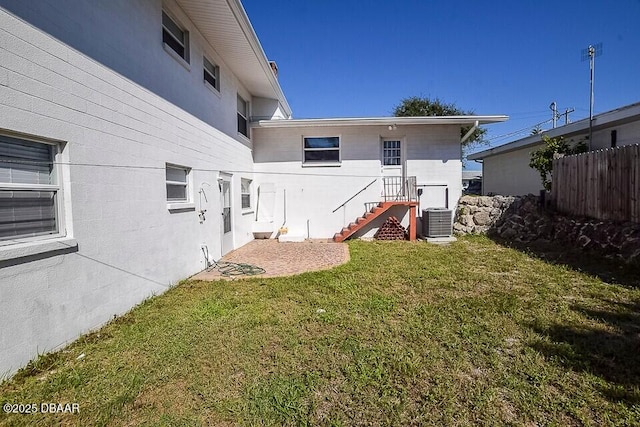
point(177, 183)
point(321, 150)
point(211, 73)
point(243, 114)
point(175, 37)
point(29, 189)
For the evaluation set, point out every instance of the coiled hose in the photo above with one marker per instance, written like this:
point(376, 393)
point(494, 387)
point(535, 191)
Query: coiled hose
point(232, 268)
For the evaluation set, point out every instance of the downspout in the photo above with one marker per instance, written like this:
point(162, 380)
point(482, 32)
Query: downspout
point(468, 134)
point(462, 141)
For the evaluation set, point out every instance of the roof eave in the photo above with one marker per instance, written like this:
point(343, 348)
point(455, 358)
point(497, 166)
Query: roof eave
point(252, 38)
point(380, 121)
point(236, 42)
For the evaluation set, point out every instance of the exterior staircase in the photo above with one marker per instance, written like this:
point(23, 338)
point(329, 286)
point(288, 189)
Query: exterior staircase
point(374, 213)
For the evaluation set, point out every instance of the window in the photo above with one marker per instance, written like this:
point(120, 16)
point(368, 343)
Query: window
point(29, 189)
point(245, 191)
point(175, 37)
point(243, 114)
point(391, 153)
point(321, 150)
point(211, 73)
point(177, 183)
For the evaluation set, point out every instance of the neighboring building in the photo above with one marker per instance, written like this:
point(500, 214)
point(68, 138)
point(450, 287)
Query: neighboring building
point(138, 138)
point(506, 168)
point(471, 177)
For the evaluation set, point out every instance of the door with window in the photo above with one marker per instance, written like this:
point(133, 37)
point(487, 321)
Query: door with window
point(226, 226)
point(392, 167)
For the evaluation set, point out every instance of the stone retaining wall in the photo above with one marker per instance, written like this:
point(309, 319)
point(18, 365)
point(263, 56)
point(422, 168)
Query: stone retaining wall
point(522, 219)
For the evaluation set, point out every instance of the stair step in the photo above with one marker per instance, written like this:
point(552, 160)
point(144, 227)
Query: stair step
point(352, 226)
point(345, 231)
point(360, 220)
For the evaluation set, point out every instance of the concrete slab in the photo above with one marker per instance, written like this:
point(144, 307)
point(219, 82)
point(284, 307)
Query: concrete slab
point(440, 240)
point(283, 259)
point(287, 238)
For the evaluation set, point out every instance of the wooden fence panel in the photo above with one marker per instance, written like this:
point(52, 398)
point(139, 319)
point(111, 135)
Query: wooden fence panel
point(602, 184)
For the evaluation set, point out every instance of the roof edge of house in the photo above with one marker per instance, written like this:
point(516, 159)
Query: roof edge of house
point(245, 23)
point(380, 121)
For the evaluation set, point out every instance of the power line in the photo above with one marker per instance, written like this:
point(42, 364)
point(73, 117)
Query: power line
point(520, 131)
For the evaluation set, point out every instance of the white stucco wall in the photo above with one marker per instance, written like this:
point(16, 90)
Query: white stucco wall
point(313, 192)
point(130, 245)
point(628, 133)
point(509, 174)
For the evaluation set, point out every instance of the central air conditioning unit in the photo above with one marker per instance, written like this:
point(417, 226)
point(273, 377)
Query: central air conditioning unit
point(437, 222)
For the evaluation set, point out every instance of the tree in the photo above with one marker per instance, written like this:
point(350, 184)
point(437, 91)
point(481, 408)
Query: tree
point(417, 106)
point(537, 130)
point(542, 159)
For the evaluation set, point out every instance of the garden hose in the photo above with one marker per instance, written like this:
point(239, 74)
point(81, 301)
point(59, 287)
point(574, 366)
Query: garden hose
point(237, 269)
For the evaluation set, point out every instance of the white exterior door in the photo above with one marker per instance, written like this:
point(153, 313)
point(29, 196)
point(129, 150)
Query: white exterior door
point(392, 166)
point(226, 223)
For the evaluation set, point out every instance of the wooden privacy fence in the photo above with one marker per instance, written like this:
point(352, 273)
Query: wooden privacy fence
point(601, 184)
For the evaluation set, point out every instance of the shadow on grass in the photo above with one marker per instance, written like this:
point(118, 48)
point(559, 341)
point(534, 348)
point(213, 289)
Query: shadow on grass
point(607, 345)
point(606, 269)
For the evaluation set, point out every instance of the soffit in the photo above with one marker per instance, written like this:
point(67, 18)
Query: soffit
point(226, 27)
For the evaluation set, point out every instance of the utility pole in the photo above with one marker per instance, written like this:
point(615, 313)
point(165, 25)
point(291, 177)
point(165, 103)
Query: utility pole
point(590, 53)
point(554, 113)
point(566, 115)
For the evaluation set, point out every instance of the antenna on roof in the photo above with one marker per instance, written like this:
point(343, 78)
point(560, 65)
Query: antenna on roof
point(590, 53)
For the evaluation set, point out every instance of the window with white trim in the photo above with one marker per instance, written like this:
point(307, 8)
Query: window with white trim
point(175, 37)
point(211, 73)
point(321, 149)
point(177, 183)
point(391, 155)
point(243, 116)
point(245, 191)
point(29, 189)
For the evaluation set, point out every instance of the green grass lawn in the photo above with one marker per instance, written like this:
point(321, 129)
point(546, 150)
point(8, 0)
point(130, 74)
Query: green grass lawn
point(404, 334)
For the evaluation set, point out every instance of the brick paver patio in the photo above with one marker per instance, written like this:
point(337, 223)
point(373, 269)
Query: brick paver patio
point(283, 259)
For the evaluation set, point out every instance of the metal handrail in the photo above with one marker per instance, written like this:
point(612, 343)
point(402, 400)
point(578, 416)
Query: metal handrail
point(352, 197)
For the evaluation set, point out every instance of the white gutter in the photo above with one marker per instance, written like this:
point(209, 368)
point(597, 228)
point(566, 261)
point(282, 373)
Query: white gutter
point(468, 134)
point(381, 121)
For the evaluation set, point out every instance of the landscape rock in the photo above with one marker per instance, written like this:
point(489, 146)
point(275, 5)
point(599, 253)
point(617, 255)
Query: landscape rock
point(482, 218)
point(523, 219)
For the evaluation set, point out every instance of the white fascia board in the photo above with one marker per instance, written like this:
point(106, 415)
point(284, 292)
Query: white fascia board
point(380, 121)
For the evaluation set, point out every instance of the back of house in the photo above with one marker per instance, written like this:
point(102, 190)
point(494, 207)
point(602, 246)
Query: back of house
point(140, 140)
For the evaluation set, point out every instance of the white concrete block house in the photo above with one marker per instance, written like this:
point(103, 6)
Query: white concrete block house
point(135, 134)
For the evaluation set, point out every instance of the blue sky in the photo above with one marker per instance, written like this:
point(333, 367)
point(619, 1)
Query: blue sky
point(348, 58)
